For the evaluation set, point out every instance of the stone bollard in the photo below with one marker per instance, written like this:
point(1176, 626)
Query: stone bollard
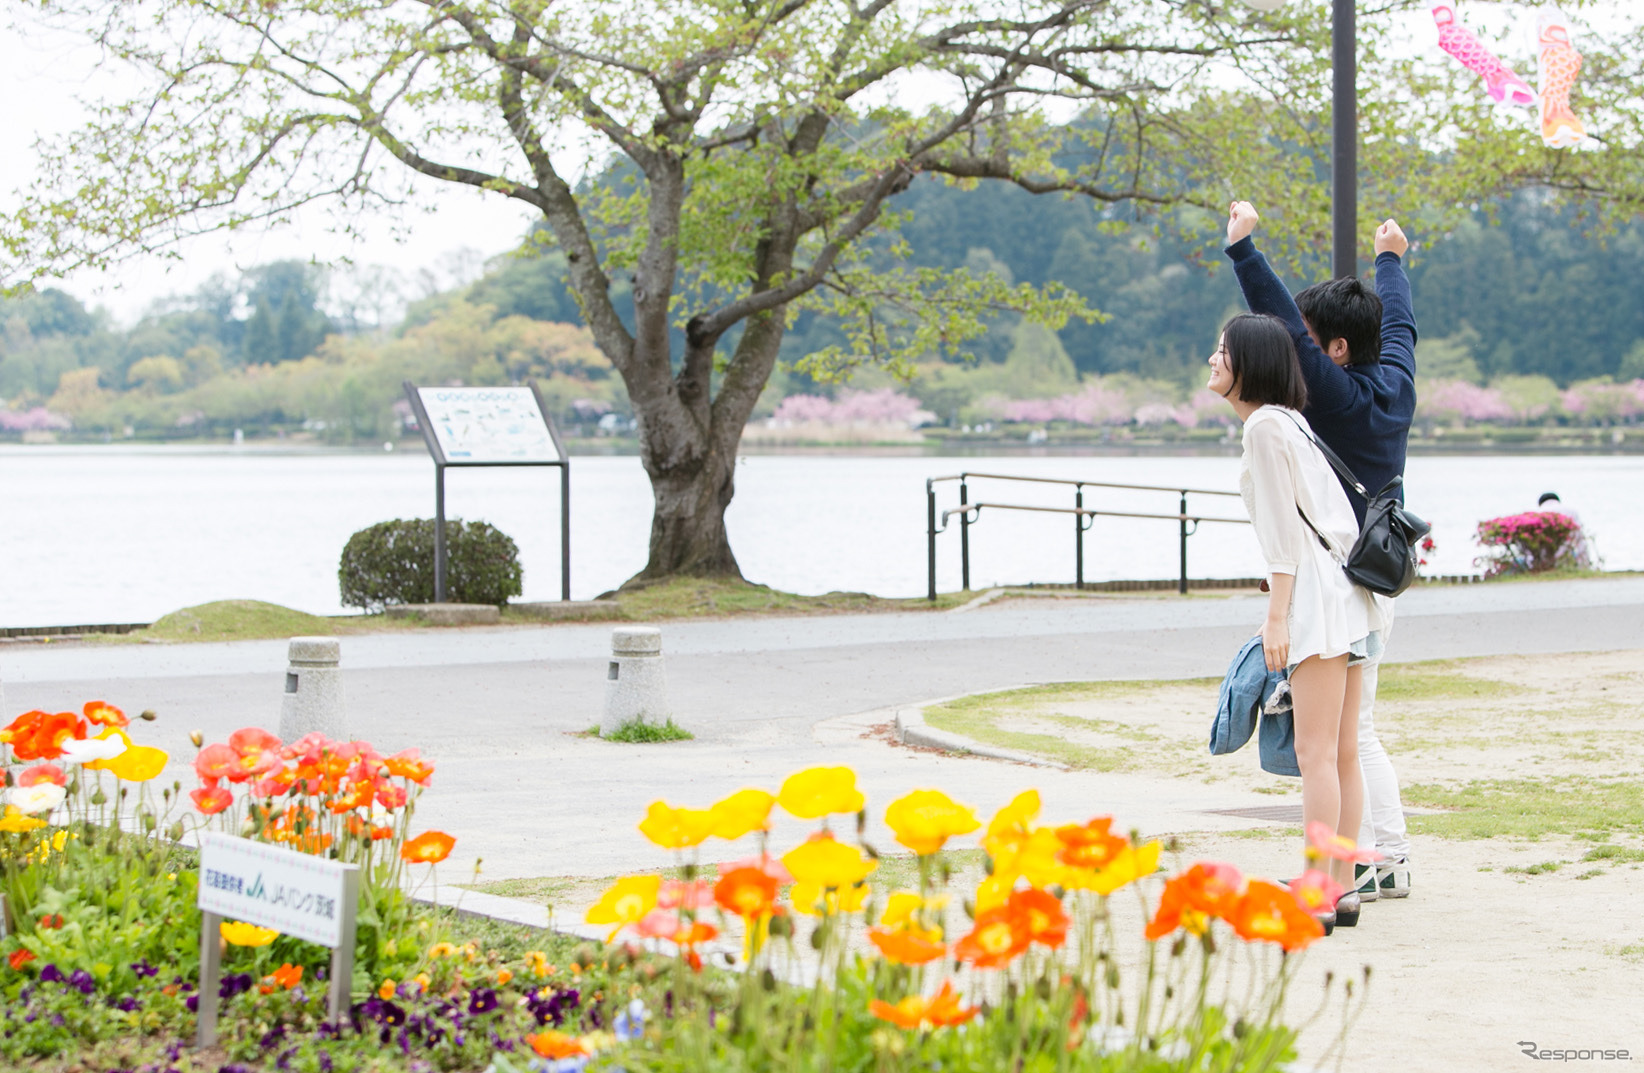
point(635, 687)
point(313, 690)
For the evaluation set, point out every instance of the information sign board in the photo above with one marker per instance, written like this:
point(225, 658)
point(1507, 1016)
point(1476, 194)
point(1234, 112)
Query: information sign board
point(273, 887)
point(307, 897)
point(488, 424)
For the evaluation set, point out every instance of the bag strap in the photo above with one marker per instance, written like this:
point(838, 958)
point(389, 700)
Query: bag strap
point(1335, 462)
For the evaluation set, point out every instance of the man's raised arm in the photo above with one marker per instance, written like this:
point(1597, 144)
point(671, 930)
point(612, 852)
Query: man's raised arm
point(1328, 386)
point(1398, 317)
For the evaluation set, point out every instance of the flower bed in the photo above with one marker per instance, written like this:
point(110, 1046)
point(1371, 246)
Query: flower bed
point(790, 962)
point(1533, 543)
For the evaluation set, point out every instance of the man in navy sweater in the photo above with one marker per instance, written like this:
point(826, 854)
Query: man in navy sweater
point(1358, 355)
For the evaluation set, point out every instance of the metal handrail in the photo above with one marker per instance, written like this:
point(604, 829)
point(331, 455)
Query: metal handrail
point(1084, 517)
point(1086, 484)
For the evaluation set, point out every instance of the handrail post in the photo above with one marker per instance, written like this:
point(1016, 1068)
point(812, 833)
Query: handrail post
point(964, 536)
point(1078, 537)
point(930, 538)
point(1181, 584)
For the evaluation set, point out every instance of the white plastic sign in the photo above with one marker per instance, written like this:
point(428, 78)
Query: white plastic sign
point(271, 886)
point(488, 424)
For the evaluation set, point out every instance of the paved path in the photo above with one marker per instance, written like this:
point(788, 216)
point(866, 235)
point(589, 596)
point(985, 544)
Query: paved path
point(498, 709)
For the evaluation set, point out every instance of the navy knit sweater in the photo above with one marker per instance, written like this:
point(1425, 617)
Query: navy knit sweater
point(1362, 411)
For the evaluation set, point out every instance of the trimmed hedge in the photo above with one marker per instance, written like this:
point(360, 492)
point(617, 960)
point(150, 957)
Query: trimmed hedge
point(393, 563)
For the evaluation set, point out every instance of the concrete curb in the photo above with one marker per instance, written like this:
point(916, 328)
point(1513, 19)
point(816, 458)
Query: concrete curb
point(911, 729)
point(448, 614)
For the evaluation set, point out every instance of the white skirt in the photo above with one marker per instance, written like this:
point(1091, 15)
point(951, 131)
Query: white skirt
point(1328, 613)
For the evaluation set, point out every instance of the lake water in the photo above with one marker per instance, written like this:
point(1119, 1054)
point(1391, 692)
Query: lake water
point(125, 534)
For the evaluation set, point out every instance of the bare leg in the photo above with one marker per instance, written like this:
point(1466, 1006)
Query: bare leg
point(1348, 773)
point(1319, 688)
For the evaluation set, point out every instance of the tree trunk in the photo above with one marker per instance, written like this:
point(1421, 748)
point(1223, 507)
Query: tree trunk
point(688, 526)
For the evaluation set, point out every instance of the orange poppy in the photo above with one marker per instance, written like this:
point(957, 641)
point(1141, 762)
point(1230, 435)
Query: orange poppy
point(747, 892)
point(916, 1011)
point(40, 735)
point(410, 765)
point(1047, 922)
point(1270, 913)
point(905, 948)
point(1089, 845)
point(999, 935)
point(390, 796)
point(105, 714)
point(430, 847)
point(1208, 889)
point(19, 958)
point(551, 1044)
point(358, 795)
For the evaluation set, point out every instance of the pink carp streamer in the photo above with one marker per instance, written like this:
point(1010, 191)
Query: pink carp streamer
point(1500, 82)
point(1560, 63)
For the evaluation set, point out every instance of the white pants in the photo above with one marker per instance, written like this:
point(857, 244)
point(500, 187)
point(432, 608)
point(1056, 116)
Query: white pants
point(1383, 823)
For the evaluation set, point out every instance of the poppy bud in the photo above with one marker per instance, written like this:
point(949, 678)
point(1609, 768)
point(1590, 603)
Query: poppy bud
point(197, 738)
point(147, 715)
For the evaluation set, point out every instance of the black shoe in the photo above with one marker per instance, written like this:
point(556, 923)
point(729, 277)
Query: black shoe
point(1347, 910)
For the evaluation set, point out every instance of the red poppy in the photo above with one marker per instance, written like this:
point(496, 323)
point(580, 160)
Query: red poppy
point(211, 799)
point(390, 796)
point(19, 958)
point(51, 922)
point(217, 761)
point(105, 714)
point(42, 773)
point(430, 847)
point(278, 782)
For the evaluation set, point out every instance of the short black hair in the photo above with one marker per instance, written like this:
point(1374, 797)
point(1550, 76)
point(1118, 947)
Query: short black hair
point(1546, 496)
point(1345, 309)
point(1262, 359)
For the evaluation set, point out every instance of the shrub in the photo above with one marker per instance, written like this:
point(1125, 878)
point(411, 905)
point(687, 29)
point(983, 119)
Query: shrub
point(393, 563)
point(1532, 543)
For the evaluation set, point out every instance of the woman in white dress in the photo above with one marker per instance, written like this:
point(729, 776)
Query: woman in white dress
point(1319, 624)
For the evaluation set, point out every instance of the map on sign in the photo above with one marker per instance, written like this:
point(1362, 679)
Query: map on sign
point(488, 424)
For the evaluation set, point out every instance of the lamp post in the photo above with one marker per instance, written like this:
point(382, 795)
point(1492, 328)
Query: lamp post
point(1344, 141)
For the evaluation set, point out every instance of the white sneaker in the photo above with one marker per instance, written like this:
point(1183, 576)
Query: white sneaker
point(1364, 876)
point(1393, 877)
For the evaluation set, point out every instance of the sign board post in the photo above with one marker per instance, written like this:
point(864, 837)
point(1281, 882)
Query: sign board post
point(490, 426)
point(300, 895)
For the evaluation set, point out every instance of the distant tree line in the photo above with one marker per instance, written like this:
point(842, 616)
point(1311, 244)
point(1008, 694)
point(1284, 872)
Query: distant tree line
point(1516, 295)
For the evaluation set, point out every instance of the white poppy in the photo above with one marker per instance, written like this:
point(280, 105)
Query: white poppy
point(84, 750)
point(41, 797)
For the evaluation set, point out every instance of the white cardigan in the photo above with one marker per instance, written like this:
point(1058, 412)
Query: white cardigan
point(1282, 469)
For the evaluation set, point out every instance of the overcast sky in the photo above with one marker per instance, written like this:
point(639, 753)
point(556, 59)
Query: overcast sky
point(43, 75)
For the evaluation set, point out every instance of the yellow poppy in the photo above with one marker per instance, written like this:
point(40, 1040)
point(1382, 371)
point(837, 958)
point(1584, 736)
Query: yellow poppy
point(925, 819)
point(993, 892)
point(676, 828)
point(1127, 866)
point(826, 862)
point(627, 902)
point(819, 791)
point(14, 822)
point(742, 812)
point(810, 899)
point(239, 933)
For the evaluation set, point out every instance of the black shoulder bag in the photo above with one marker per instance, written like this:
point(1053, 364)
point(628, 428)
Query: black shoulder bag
point(1383, 559)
